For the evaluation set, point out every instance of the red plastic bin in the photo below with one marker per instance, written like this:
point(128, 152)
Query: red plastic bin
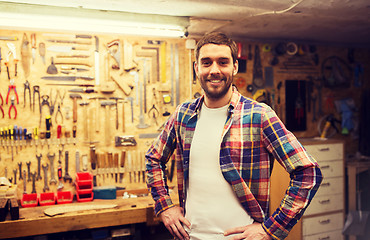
point(83, 178)
point(86, 197)
point(64, 197)
point(47, 198)
point(29, 200)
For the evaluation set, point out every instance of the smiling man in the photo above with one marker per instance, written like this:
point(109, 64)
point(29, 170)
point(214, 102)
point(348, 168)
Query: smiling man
point(225, 148)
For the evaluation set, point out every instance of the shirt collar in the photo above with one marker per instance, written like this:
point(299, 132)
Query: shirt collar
point(235, 98)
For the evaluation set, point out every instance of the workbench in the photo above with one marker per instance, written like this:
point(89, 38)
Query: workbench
point(33, 221)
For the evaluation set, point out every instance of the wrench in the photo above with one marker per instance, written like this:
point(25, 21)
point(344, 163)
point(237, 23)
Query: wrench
point(38, 177)
point(29, 171)
point(24, 182)
point(33, 176)
point(51, 158)
point(20, 171)
point(45, 168)
point(15, 176)
point(66, 175)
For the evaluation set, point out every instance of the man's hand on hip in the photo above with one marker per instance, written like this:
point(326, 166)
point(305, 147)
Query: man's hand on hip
point(173, 218)
point(251, 232)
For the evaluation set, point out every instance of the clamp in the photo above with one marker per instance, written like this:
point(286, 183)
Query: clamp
point(27, 87)
point(12, 105)
point(12, 87)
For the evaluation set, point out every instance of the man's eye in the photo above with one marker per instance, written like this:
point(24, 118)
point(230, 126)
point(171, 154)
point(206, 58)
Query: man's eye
point(224, 62)
point(206, 63)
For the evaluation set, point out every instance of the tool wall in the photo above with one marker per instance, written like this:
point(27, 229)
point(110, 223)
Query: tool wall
point(85, 103)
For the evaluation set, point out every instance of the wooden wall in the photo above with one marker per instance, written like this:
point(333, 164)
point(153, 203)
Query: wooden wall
point(92, 130)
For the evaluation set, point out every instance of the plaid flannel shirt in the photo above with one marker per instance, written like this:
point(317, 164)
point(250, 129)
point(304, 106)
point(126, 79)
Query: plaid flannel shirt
point(253, 136)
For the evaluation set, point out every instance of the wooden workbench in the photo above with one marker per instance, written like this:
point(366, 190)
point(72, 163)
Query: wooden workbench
point(33, 221)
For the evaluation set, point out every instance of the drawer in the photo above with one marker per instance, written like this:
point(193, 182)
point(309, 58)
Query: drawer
point(331, 186)
point(332, 168)
point(335, 235)
point(326, 203)
point(325, 152)
point(322, 224)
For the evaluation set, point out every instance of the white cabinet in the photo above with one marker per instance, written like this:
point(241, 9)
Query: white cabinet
point(324, 218)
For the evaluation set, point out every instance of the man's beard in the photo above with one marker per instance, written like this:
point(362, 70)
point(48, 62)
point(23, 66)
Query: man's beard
point(218, 94)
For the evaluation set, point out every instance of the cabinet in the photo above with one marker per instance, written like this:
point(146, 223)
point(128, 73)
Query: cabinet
point(324, 218)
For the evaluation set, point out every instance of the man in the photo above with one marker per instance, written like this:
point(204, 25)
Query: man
point(225, 146)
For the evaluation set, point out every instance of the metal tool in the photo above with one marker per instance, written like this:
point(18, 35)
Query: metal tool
point(33, 176)
point(29, 171)
point(106, 105)
point(97, 62)
point(36, 90)
point(65, 49)
point(51, 158)
point(20, 171)
point(45, 169)
point(115, 53)
point(38, 177)
point(67, 78)
point(116, 99)
point(42, 51)
point(52, 69)
point(67, 177)
point(85, 117)
point(24, 182)
point(75, 97)
point(27, 87)
point(26, 56)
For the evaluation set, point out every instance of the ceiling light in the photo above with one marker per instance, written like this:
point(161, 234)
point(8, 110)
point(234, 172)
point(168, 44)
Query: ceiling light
point(48, 18)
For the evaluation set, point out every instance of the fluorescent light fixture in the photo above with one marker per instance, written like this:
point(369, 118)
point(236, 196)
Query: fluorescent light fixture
point(36, 17)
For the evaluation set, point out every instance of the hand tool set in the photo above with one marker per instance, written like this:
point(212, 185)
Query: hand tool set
point(52, 136)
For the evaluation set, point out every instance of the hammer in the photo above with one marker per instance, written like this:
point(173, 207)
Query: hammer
point(84, 105)
point(106, 105)
point(116, 98)
point(75, 96)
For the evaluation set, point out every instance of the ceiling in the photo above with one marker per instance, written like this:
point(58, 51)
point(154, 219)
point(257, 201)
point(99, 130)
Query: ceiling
point(338, 22)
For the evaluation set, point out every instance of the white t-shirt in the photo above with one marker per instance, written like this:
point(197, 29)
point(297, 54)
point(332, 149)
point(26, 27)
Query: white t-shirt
point(211, 205)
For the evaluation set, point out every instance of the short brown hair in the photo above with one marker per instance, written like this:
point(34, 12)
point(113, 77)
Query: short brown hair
point(219, 39)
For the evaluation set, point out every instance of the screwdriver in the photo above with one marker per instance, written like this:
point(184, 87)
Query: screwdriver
point(6, 138)
point(74, 133)
point(2, 137)
point(36, 135)
point(15, 138)
point(11, 137)
point(20, 131)
point(59, 133)
point(25, 136)
point(48, 125)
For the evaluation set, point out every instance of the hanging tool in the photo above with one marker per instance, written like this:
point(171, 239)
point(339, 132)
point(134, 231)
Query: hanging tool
point(45, 102)
point(67, 177)
point(52, 69)
point(155, 113)
point(58, 113)
point(131, 100)
point(97, 66)
point(12, 50)
point(257, 69)
point(69, 41)
point(60, 173)
point(114, 49)
point(45, 169)
point(67, 78)
point(116, 99)
point(85, 117)
point(33, 45)
point(48, 128)
point(36, 90)
point(74, 97)
point(12, 106)
point(142, 124)
point(42, 51)
point(8, 38)
point(26, 56)
point(27, 87)
point(106, 105)
point(10, 88)
point(65, 49)
point(2, 103)
point(51, 158)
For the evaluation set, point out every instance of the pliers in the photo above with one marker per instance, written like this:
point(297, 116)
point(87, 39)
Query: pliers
point(12, 87)
point(12, 105)
point(2, 103)
point(27, 87)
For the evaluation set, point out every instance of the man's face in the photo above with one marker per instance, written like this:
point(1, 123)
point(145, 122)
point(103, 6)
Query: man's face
point(215, 70)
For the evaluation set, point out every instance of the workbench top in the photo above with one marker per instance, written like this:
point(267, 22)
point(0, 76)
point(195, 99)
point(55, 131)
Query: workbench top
point(33, 221)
